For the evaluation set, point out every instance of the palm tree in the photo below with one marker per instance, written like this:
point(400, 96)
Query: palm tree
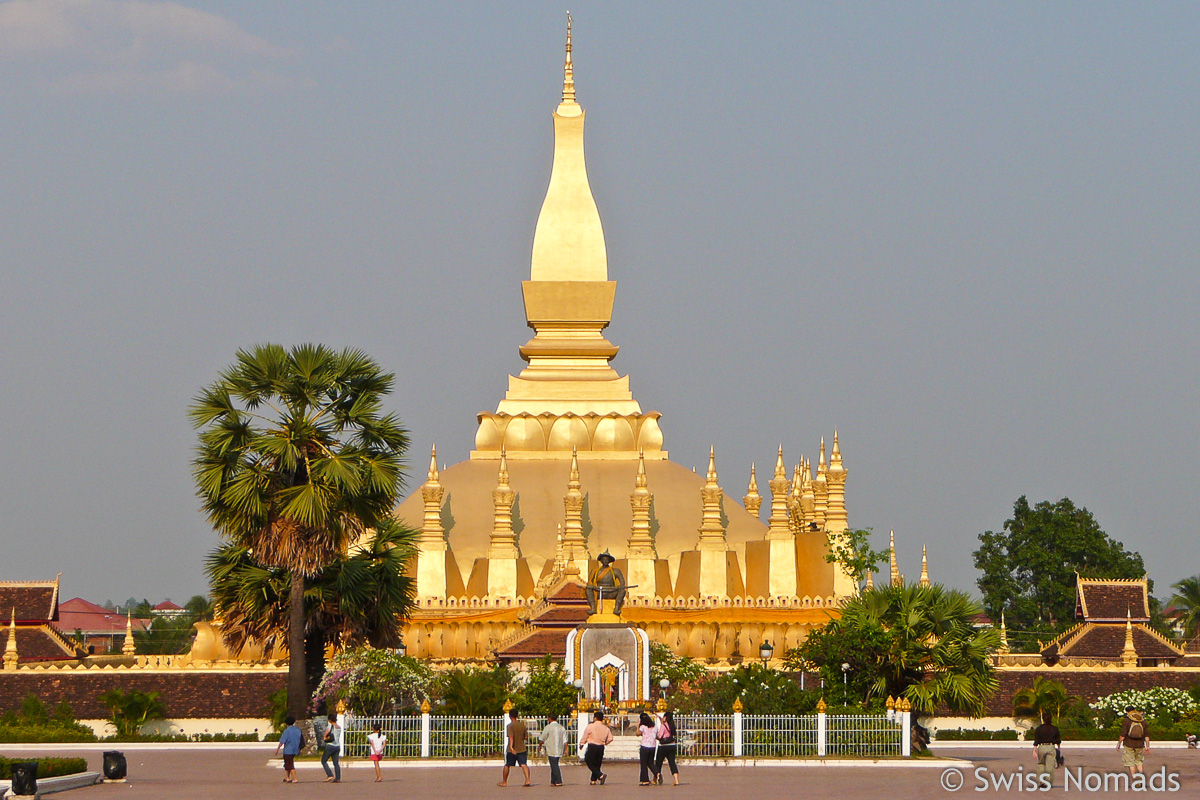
point(296, 462)
point(358, 599)
point(1187, 600)
point(929, 651)
point(1045, 695)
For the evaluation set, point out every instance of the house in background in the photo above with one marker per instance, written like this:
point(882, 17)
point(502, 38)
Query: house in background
point(102, 630)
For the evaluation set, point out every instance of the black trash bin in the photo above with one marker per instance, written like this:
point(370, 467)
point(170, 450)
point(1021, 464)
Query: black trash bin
point(24, 778)
point(115, 767)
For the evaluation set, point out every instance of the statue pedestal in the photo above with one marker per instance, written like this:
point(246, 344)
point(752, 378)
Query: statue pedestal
point(612, 658)
point(606, 615)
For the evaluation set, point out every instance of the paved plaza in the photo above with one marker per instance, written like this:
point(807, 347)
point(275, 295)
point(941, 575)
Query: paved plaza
point(215, 774)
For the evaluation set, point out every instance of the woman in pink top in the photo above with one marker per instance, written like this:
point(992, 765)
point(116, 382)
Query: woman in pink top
point(648, 730)
point(595, 736)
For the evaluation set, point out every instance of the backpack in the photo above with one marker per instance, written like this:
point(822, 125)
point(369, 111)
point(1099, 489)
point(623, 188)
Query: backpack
point(1136, 730)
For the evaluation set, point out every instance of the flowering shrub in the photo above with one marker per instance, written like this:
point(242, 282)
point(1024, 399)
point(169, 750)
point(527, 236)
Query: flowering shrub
point(1159, 703)
point(373, 682)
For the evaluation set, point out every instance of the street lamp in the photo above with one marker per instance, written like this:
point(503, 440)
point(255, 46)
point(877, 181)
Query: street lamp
point(662, 685)
point(578, 684)
point(845, 673)
point(765, 650)
point(400, 650)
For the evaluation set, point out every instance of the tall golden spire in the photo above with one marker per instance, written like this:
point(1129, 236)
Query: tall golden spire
point(777, 523)
point(1003, 635)
point(712, 532)
point(504, 540)
point(10, 650)
point(894, 568)
point(432, 493)
point(924, 568)
point(835, 513)
point(574, 541)
point(821, 490)
point(568, 95)
point(641, 543)
point(753, 500)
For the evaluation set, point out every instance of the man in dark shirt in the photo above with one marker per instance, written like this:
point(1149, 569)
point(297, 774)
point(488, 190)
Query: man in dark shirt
point(1134, 742)
point(515, 753)
point(1046, 739)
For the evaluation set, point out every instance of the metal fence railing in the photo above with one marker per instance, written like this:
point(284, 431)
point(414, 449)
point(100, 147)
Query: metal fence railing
point(779, 735)
point(863, 735)
point(705, 735)
point(700, 736)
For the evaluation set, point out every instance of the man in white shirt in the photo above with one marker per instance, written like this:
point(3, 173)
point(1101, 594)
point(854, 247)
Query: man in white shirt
point(553, 739)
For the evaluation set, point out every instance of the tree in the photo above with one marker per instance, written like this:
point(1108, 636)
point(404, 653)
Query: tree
point(165, 636)
point(913, 641)
point(1028, 569)
point(199, 608)
point(374, 682)
point(475, 692)
point(676, 669)
point(358, 599)
point(128, 712)
point(296, 462)
point(547, 690)
point(1045, 695)
point(851, 550)
point(1186, 600)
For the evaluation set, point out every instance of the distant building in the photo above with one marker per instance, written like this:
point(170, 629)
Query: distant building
point(168, 609)
point(102, 630)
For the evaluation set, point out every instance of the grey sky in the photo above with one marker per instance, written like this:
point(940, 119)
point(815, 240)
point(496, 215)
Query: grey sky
point(963, 234)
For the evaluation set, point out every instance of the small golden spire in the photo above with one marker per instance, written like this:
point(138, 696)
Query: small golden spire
point(433, 470)
point(924, 568)
point(712, 466)
point(641, 543)
point(821, 461)
point(503, 542)
point(870, 584)
point(1129, 656)
point(1003, 635)
point(128, 648)
point(574, 541)
point(777, 522)
point(10, 650)
point(711, 529)
point(568, 94)
point(835, 455)
point(753, 500)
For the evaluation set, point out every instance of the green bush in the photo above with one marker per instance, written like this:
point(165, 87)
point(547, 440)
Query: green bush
point(977, 735)
point(20, 734)
point(35, 724)
point(47, 767)
point(184, 737)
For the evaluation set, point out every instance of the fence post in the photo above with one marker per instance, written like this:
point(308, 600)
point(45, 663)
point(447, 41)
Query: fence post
point(906, 730)
point(341, 721)
point(822, 730)
point(737, 728)
point(425, 729)
point(583, 723)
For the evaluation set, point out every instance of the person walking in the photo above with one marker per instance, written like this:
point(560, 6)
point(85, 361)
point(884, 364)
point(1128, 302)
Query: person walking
point(1046, 741)
point(332, 750)
point(376, 741)
point(515, 753)
point(291, 742)
point(553, 739)
point(595, 736)
point(648, 730)
point(1134, 741)
point(666, 748)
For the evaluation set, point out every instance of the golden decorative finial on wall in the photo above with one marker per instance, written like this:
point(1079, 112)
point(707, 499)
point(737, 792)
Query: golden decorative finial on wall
point(924, 568)
point(10, 650)
point(897, 580)
point(128, 648)
point(777, 523)
point(1129, 656)
point(1003, 635)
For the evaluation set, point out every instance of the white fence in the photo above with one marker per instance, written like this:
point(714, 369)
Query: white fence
point(700, 736)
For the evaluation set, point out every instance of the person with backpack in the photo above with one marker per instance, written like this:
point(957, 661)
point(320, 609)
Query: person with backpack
point(666, 748)
point(1134, 741)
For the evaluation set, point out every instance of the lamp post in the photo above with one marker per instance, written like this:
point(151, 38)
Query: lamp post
point(578, 684)
point(662, 685)
point(401, 650)
point(765, 650)
point(845, 674)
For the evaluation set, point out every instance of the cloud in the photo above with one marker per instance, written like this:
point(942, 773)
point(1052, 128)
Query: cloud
point(124, 46)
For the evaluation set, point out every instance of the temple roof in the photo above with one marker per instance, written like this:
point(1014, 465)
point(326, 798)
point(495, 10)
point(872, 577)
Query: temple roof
point(1111, 600)
point(32, 601)
point(1106, 641)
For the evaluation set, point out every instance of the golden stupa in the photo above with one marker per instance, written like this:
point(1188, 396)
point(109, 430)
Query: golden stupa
point(569, 466)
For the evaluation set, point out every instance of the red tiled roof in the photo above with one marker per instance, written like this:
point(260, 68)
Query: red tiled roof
point(32, 601)
point(1110, 601)
point(570, 616)
point(167, 605)
point(552, 641)
point(568, 593)
point(91, 618)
